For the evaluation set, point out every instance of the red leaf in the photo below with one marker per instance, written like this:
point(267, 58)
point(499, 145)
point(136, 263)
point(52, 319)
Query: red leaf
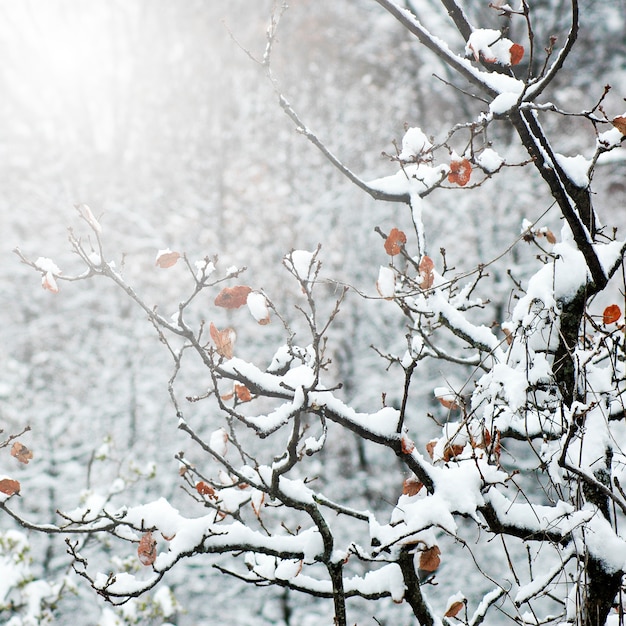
point(146, 551)
point(611, 314)
point(232, 297)
point(223, 340)
point(205, 490)
point(460, 172)
point(9, 486)
point(429, 559)
point(21, 452)
point(517, 53)
point(394, 242)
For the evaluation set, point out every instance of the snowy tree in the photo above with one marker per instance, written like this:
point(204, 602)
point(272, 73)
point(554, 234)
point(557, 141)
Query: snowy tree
point(522, 485)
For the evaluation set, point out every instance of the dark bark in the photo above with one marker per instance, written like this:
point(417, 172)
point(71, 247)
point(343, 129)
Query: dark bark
point(413, 593)
point(601, 589)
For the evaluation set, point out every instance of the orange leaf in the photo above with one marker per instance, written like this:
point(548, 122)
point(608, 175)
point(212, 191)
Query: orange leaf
point(460, 172)
point(429, 559)
point(205, 490)
point(147, 549)
point(223, 340)
point(611, 314)
point(427, 276)
point(9, 486)
point(454, 609)
point(166, 258)
point(411, 486)
point(243, 393)
point(394, 242)
point(620, 123)
point(21, 452)
point(517, 53)
point(232, 297)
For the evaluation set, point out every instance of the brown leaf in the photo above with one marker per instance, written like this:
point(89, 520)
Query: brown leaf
point(146, 551)
point(205, 490)
point(243, 393)
point(517, 53)
point(394, 242)
point(430, 447)
point(232, 297)
point(427, 276)
point(223, 340)
point(620, 123)
point(407, 445)
point(550, 236)
point(21, 452)
point(257, 500)
point(454, 608)
point(48, 282)
point(460, 172)
point(611, 314)
point(166, 258)
point(9, 486)
point(429, 559)
point(411, 486)
point(451, 451)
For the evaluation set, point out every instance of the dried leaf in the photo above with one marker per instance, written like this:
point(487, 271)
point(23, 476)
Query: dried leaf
point(243, 393)
point(21, 452)
point(48, 281)
point(166, 258)
point(412, 486)
point(454, 609)
point(394, 242)
point(451, 451)
point(611, 314)
point(550, 236)
point(147, 551)
point(9, 486)
point(257, 500)
point(460, 172)
point(223, 340)
point(429, 559)
point(430, 447)
point(509, 336)
point(447, 397)
point(620, 123)
point(205, 490)
point(517, 53)
point(407, 445)
point(232, 297)
point(427, 276)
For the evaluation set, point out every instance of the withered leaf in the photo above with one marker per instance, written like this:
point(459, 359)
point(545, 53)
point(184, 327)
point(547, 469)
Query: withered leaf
point(21, 452)
point(232, 297)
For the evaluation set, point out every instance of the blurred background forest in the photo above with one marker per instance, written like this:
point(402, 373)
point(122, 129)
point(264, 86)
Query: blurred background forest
point(153, 113)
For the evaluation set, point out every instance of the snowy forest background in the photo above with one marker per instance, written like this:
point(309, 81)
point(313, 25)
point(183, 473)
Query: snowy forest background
point(154, 114)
